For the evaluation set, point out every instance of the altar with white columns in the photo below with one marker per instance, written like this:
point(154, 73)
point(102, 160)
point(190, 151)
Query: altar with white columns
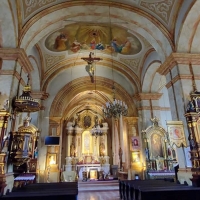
point(85, 152)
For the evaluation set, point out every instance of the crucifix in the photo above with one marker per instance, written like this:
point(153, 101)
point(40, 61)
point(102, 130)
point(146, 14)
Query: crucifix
point(90, 65)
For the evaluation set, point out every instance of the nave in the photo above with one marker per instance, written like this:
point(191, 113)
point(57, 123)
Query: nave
point(98, 190)
point(102, 195)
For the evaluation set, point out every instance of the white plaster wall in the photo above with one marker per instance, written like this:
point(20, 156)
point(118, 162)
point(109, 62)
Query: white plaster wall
point(147, 85)
point(186, 33)
point(9, 33)
point(181, 16)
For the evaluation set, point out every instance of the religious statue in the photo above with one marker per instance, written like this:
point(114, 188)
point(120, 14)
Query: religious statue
point(90, 65)
point(120, 157)
point(72, 149)
point(101, 149)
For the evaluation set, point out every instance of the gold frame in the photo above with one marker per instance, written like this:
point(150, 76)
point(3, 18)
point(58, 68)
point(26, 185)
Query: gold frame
point(176, 133)
point(51, 157)
point(133, 146)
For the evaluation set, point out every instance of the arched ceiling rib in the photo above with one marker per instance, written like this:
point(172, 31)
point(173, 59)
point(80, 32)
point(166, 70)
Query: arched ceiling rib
point(189, 38)
point(71, 91)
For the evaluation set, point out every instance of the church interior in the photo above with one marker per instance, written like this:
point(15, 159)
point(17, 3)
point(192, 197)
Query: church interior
point(99, 90)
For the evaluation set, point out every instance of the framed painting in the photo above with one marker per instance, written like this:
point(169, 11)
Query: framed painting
point(51, 159)
point(135, 143)
point(160, 164)
point(135, 157)
point(176, 133)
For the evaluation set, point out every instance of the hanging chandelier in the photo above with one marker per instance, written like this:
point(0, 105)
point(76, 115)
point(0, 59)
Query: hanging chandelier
point(116, 108)
point(96, 131)
point(24, 102)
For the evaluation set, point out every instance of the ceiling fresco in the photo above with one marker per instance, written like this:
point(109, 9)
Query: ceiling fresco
point(78, 37)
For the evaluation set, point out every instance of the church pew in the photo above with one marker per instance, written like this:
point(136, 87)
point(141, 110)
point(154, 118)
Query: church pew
point(44, 191)
point(133, 187)
point(166, 193)
point(43, 186)
point(127, 186)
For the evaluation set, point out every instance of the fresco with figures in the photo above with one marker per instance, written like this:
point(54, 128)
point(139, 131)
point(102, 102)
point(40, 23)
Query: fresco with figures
point(75, 38)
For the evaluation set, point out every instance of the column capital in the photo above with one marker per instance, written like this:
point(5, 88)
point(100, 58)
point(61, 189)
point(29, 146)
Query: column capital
point(178, 58)
point(147, 96)
point(131, 120)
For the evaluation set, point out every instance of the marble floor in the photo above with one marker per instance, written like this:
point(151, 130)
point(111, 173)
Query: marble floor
point(108, 190)
point(99, 195)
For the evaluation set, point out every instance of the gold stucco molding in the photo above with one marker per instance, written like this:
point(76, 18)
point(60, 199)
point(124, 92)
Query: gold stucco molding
point(132, 120)
point(154, 108)
point(17, 54)
point(178, 58)
point(147, 96)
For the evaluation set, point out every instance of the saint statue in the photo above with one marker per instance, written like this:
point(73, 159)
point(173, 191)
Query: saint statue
point(101, 149)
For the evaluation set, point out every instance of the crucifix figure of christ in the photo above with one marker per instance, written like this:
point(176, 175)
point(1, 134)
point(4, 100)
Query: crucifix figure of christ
point(90, 65)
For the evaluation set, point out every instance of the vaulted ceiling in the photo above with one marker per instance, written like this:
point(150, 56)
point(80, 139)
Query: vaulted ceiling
point(134, 38)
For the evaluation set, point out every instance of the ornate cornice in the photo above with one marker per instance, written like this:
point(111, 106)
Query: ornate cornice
point(13, 73)
point(147, 96)
point(154, 108)
point(17, 54)
point(178, 58)
point(179, 77)
point(131, 120)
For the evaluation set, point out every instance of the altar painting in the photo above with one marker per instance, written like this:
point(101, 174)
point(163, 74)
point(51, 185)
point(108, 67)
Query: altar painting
point(86, 37)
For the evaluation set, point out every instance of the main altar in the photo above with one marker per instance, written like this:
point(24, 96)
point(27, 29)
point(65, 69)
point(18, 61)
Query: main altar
point(87, 153)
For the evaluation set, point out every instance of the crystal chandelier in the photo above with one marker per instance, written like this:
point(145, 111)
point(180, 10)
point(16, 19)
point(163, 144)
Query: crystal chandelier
point(116, 108)
point(96, 131)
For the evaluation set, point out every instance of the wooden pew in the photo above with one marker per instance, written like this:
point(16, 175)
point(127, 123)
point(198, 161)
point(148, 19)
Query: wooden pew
point(127, 187)
point(166, 193)
point(45, 191)
point(134, 188)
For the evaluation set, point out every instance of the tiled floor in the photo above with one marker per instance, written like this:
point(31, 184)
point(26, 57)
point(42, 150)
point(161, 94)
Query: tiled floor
point(101, 195)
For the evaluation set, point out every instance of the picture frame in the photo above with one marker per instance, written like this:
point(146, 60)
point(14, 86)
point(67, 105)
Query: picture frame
point(160, 164)
point(176, 133)
point(51, 159)
point(135, 143)
point(135, 157)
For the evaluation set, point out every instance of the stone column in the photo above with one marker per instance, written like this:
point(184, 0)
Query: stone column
point(115, 142)
point(78, 143)
point(70, 130)
point(181, 71)
point(121, 138)
point(132, 131)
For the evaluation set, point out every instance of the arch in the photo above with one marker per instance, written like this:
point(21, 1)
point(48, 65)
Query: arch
point(190, 30)
point(74, 90)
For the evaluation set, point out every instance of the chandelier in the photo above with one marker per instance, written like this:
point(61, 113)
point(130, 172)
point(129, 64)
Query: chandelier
point(96, 131)
point(24, 102)
point(116, 108)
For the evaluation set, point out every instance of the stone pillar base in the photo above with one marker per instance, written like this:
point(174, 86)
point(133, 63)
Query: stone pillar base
point(185, 174)
point(195, 180)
